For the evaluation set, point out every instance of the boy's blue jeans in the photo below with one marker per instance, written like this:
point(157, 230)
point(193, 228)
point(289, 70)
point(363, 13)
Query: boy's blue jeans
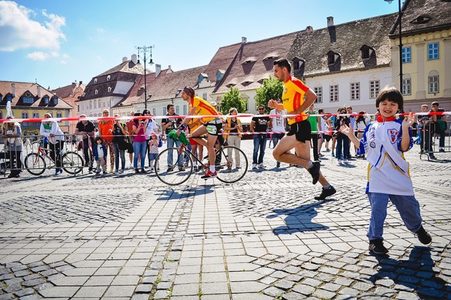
point(407, 206)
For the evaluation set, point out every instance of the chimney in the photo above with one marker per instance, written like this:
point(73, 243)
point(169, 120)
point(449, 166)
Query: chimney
point(134, 59)
point(309, 29)
point(330, 21)
point(169, 68)
point(13, 89)
point(243, 40)
point(80, 82)
point(124, 59)
point(157, 69)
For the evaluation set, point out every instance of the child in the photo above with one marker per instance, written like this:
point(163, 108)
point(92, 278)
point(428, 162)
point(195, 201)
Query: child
point(153, 150)
point(100, 152)
point(384, 142)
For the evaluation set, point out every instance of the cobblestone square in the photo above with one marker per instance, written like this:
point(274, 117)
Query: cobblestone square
point(264, 237)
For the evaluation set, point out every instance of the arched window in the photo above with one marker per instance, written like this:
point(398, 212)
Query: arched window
point(95, 80)
point(332, 57)
point(108, 77)
point(96, 92)
point(367, 52)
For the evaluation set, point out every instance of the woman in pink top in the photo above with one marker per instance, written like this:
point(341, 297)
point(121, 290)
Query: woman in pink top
point(139, 143)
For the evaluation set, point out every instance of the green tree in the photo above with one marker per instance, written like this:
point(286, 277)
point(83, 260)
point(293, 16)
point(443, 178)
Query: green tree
point(233, 98)
point(272, 88)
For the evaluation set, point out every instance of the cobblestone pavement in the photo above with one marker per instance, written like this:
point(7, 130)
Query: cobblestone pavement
point(264, 237)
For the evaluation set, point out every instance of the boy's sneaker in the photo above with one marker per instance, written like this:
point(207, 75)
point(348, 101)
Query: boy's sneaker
point(377, 247)
point(121, 171)
point(254, 166)
point(261, 166)
point(326, 193)
point(423, 236)
point(209, 174)
point(314, 170)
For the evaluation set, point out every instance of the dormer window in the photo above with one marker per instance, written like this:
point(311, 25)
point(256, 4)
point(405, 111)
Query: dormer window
point(247, 81)
point(332, 57)
point(96, 92)
point(298, 63)
point(108, 78)
point(202, 77)
point(367, 52)
point(230, 84)
point(27, 98)
point(249, 60)
point(219, 75)
point(45, 100)
point(421, 19)
point(95, 80)
point(54, 100)
point(272, 55)
point(109, 89)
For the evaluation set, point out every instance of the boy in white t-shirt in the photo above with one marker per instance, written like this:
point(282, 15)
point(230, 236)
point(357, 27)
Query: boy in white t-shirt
point(384, 142)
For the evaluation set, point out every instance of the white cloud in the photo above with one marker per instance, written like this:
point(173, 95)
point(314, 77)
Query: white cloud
point(19, 31)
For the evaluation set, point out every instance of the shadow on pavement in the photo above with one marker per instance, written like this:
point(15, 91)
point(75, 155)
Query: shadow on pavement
point(299, 219)
point(416, 273)
point(173, 194)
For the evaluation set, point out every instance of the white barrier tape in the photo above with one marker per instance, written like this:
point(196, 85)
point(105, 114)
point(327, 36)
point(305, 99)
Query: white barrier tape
point(99, 119)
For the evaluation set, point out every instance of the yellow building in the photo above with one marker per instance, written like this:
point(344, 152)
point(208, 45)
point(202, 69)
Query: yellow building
point(31, 100)
point(426, 53)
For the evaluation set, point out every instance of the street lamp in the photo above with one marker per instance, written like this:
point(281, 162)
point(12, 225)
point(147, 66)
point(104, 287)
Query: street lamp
point(145, 50)
point(400, 41)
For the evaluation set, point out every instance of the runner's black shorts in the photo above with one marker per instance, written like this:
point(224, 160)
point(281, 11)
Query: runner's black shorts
point(301, 130)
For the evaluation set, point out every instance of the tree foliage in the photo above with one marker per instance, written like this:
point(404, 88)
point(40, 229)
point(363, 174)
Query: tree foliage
point(233, 98)
point(272, 88)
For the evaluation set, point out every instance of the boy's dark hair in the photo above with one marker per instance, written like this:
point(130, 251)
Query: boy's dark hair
point(169, 106)
point(283, 63)
point(98, 138)
point(320, 111)
point(391, 94)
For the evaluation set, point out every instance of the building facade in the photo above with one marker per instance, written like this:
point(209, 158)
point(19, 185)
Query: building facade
point(426, 53)
point(71, 94)
point(31, 100)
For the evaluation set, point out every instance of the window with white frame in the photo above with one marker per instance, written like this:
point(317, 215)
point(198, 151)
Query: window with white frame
point(177, 109)
point(96, 92)
point(355, 90)
point(36, 115)
point(154, 111)
point(24, 115)
point(109, 89)
point(59, 115)
point(406, 55)
point(374, 88)
point(433, 51)
point(333, 93)
point(319, 94)
point(165, 111)
point(185, 109)
point(433, 82)
point(108, 77)
point(95, 80)
point(406, 86)
point(204, 96)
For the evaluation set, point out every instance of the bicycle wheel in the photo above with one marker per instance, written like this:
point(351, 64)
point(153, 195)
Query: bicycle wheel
point(35, 164)
point(176, 173)
point(72, 162)
point(233, 168)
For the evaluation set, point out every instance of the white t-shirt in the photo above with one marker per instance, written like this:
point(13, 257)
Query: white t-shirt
point(100, 151)
point(385, 176)
point(278, 123)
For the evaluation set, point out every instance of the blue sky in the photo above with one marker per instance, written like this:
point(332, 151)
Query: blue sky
point(57, 42)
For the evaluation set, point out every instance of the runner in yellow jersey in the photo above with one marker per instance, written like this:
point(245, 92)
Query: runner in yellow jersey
point(296, 99)
point(210, 125)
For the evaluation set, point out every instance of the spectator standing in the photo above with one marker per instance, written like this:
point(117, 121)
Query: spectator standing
point(55, 137)
point(100, 154)
point(120, 145)
point(169, 123)
point(13, 141)
point(86, 129)
point(106, 133)
point(153, 151)
point(233, 133)
point(278, 128)
point(342, 139)
point(440, 124)
point(259, 127)
point(139, 144)
point(313, 120)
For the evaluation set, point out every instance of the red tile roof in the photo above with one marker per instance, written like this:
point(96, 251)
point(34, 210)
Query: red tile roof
point(36, 91)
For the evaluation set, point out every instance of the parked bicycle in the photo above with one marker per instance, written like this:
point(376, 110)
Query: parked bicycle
point(229, 169)
point(35, 162)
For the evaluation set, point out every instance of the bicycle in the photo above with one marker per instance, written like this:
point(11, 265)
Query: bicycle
point(35, 162)
point(228, 171)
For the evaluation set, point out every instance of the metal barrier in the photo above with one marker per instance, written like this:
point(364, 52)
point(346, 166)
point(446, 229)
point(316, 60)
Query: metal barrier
point(433, 137)
point(18, 154)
